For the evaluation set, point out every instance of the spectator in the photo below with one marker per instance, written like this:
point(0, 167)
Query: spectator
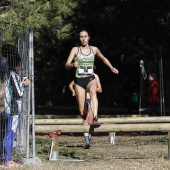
point(6, 50)
point(14, 90)
point(153, 97)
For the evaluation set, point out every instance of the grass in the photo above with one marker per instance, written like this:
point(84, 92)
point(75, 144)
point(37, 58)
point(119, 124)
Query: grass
point(131, 152)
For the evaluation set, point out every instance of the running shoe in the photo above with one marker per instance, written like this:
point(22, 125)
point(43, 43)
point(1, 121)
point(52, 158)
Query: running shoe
point(87, 146)
point(95, 122)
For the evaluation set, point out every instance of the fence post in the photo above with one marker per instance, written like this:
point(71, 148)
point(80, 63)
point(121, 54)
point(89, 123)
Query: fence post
point(161, 82)
point(112, 136)
point(34, 160)
point(31, 56)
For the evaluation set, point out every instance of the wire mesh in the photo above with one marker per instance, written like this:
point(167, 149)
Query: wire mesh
point(15, 98)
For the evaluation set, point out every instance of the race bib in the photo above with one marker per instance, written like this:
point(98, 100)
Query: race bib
point(85, 70)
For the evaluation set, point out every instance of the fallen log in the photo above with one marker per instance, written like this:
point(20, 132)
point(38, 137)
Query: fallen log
point(104, 128)
point(78, 121)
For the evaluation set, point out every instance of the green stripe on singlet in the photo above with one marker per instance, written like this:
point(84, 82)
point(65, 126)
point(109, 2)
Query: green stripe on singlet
point(86, 63)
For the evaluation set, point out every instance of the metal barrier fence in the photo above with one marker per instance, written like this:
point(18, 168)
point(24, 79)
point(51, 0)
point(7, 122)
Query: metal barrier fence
point(17, 108)
point(161, 69)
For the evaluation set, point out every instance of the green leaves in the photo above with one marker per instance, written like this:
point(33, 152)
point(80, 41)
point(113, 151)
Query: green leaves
point(50, 14)
point(65, 8)
point(64, 33)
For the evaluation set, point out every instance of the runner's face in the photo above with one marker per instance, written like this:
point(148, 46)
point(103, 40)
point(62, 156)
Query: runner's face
point(84, 38)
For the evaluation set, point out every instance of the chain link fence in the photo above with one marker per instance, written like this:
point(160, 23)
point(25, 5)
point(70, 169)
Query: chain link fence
point(19, 135)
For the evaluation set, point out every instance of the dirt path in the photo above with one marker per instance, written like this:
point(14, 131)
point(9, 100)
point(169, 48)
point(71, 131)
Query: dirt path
point(131, 151)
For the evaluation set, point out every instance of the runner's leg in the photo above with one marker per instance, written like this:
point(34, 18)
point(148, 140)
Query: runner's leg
point(92, 87)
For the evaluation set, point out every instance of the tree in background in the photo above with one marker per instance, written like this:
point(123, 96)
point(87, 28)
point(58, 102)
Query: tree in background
point(50, 14)
point(125, 30)
point(51, 25)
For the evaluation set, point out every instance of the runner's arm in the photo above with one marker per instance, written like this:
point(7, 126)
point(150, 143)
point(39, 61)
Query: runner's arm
point(105, 60)
point(71, 85)
point(69, 64)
